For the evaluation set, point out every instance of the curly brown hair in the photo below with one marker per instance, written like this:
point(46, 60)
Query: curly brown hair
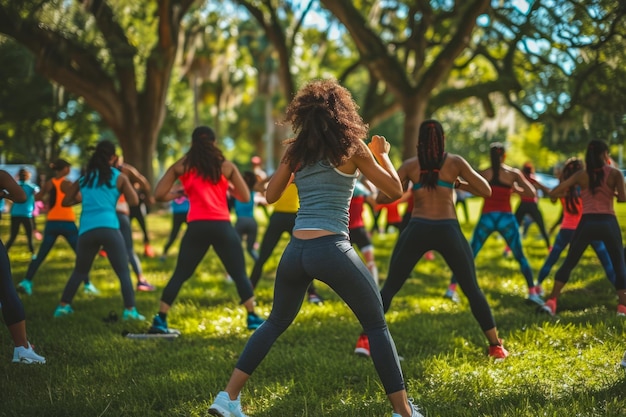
point(326, 123)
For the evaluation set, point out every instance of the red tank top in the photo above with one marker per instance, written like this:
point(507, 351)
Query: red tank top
point(571, 220)
point(500, 199)
point(207, 201)
point(356, 212)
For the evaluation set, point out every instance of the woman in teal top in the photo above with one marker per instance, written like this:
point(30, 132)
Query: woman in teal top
point(99, 190)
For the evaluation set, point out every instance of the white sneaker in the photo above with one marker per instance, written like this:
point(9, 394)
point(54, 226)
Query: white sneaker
point(27, 355)
point(223, 406)
point(414, 411)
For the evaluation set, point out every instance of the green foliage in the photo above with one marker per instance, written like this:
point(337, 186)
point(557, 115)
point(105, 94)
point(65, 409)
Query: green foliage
point(563, 366)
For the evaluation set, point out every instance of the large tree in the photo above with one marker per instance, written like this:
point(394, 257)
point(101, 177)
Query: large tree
point(430, 55)
point(117, 55)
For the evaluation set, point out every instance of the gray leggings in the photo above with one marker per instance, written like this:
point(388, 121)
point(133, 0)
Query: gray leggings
point(89, 244)
point(332, 260)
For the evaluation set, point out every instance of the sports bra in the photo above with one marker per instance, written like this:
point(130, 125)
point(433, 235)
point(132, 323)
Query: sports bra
point(440, 183)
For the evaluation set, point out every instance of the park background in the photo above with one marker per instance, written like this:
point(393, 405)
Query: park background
point(544, 77)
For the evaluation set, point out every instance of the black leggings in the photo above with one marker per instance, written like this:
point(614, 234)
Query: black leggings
point(54, 229)
point(27, 222)
point(332, 260)
point(127, 235)
point(280, 222)
point(198, 238)
point(12, 307)
point(603, 227)
point(177, 221)
point(445, 237)
point(532, 209)
point(137, 213)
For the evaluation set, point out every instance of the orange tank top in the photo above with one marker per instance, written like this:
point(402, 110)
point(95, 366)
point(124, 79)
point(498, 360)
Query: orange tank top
point(57, 211)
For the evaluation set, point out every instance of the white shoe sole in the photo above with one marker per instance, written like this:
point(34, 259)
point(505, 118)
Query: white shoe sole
point(362, 352)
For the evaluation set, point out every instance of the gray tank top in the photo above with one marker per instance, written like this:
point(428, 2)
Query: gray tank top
point(325, 194)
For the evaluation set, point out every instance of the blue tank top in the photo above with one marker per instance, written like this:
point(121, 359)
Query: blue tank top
point(99, 205)
point(180, 205)
point(245, 209)
point(26, 208)
point(325, 194)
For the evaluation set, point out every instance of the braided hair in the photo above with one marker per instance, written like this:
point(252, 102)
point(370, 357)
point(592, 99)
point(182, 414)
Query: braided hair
point(99, 167)
point(430, 152)
point(496, 151)
point(327, 125)
point(572, 196)
point(203, 156)
point(595, 162)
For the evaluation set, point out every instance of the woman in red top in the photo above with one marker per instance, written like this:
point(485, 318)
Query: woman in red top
point(205, 175)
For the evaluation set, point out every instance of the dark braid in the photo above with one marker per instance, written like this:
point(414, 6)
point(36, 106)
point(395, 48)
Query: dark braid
point(430, 152)
point(204, 156)
point(594, 163)
point(496, 150)
point(99, 167)
point(572, 196)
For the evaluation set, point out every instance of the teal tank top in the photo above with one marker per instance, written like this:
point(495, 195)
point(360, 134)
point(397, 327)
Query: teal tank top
point(99, 205)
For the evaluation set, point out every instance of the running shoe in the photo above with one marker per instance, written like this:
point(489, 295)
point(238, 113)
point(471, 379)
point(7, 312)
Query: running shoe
point(498, 351)
point(539, 290)
point(25, 287)
point(535, 298)
point(132, 314)
point(452, 295)
point(549, 306)
point(90, 289)
point(363, 346)
point(621, 310)
point(144, 285)
point(314, 298)
point(223, 406)
point(38, 235)
point(414, 411)
point(148, 250)
point(254, 321)
point(27, 355)
point(65, 310)
point(159, 326)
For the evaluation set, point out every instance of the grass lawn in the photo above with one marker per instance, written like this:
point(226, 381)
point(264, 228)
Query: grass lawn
point(562, 366)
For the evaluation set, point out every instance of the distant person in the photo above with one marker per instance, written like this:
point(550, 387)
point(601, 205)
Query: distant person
point(246, 225)
point(22, 213)
point(324, 159)
point(60, 221)
point(461, 200)
point(599, 184)
point(180, 208)
point(496, 216)
point(140, 211)
point(205, 174)
point(529, 206)
point(573, 211)
point(12, 307)
point(98, 189)
point(261, 179)
point(359, 235)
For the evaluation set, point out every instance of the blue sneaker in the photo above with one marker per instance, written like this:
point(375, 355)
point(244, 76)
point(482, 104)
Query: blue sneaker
point(452, 295)
point(414, 411)
point(62, 311)
point(254, 321)
point(25, 286)
point(132, 314)
point(159, 326)
point(223, 406)
point(90, 289)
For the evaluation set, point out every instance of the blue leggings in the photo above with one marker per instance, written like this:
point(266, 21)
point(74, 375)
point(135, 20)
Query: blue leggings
point(445, 237)
point(603, 227)
point(505, 224)
point(563, 238)
point(12, 307)
point(199, 237)
point(54, 229)
point(332, 260)
point(89, 243)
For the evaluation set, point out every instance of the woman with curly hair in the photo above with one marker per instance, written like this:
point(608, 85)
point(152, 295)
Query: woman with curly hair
point(205, 175)
point(324, 159)
point(599, 183)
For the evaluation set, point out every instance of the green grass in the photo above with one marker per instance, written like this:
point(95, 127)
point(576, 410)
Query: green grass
point(563, 366)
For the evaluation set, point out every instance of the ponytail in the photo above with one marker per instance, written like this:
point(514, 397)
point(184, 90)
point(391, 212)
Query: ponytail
point(430, 152)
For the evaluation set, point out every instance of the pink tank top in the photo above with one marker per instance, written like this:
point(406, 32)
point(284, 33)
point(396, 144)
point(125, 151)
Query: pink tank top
point(600, 202)
point(207, 201)
point(571, 220)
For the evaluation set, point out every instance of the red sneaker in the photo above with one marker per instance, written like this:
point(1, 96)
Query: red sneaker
point(498, 351)
point(363, 346)
point(550, 306)
point(148, 251)
point(621, 310)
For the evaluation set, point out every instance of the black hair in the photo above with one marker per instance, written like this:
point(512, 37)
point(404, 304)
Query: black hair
point(203, 155)
point(99, 166)
point(496, 151)
point(595, 162)
point(250, 179)
point(59, 164)
point(430, 152)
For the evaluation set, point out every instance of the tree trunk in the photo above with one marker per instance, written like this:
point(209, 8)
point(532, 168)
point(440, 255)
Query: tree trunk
point(414, 114)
